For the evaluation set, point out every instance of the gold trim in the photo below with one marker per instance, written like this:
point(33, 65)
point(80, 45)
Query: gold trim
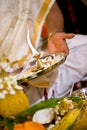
point(39, 19)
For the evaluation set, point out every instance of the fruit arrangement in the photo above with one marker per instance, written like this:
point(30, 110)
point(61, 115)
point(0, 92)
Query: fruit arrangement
point(69, 113)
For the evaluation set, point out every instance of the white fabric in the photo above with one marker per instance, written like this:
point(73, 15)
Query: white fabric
point(13, 16)
point(13, 32)
point(74, 69)
point(13, 25)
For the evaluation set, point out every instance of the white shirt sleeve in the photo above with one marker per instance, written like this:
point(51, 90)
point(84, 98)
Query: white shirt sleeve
point(74, 68)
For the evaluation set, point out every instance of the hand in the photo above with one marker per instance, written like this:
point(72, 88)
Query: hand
point(57, 42)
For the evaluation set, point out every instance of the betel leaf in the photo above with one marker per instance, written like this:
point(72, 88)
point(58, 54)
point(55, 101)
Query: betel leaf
point(50, 103)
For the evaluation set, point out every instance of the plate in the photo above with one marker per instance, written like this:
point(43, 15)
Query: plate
point(49, 63)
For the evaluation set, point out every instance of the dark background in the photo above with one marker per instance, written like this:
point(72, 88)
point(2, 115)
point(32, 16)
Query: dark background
point(75, 15)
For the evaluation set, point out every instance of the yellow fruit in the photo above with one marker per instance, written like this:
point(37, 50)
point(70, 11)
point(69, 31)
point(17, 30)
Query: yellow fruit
point(67, 120)
point(11, 105)
point(81, 123)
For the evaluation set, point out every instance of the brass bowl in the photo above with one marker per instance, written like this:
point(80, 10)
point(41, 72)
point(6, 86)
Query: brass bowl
point(24, 75)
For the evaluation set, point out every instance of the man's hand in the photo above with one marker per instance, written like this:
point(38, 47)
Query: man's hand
point(57, 42)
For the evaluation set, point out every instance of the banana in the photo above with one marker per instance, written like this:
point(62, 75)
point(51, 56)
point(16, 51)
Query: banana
point(68, 120)
point(81, 123)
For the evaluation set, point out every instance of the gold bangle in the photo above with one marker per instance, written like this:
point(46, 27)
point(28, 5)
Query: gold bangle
point(50, 35)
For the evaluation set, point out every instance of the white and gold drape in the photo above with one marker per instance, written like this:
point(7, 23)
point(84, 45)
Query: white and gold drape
point(13, 17)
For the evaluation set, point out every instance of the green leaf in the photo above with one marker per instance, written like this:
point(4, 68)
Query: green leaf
point(6, 122)
point(50, 103)
point(10, 124)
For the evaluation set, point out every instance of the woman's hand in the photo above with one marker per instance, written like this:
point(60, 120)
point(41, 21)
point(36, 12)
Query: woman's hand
point(57, 42)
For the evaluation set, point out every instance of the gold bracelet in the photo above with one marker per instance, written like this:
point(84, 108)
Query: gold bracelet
point(50, 35)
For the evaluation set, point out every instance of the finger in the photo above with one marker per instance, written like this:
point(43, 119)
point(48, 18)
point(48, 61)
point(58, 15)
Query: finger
point(68, 36)
point(57, 49)
point(64, 35)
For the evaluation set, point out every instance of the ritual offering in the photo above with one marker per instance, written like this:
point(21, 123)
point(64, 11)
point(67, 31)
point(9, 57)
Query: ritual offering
point(18, 73)
point(67, 113)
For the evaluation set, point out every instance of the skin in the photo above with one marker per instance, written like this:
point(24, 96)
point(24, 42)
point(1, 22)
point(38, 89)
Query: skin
point(55, 23)
point(57, 42)
point(55, 20)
